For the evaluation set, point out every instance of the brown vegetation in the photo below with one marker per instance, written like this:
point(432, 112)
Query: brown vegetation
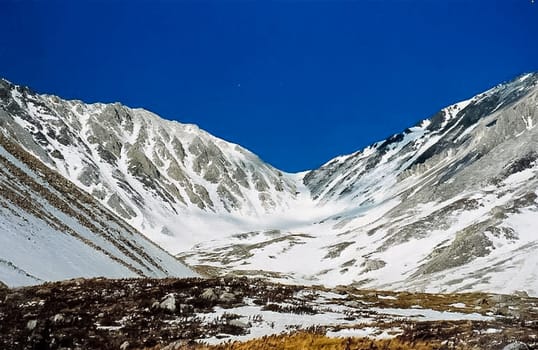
point(309, 341)
point(140, 314)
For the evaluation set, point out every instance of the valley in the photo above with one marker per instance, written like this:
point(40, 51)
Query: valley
point(109, 216)
point(447, 205)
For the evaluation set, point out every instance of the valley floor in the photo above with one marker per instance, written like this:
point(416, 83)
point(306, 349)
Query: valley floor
point(242, 313)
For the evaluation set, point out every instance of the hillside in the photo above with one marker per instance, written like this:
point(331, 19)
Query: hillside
point(51, 230)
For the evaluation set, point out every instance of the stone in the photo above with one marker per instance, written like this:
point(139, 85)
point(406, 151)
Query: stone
point(58, 318)
point(31, 325)
point(43, 292)
point(169, 303)
point(521, 294)
point(237, 323)
point(227, 297)
point(499, 298)
point(209, 294)
point(516, 346)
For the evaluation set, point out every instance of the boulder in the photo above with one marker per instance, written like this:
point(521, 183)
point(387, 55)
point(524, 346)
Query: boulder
point(516, 346)
point(227, 297)
point(237, 323)
point(209, 294)
point(30, 325)
point(58, 318)
point(521, 294)
point(168, 303)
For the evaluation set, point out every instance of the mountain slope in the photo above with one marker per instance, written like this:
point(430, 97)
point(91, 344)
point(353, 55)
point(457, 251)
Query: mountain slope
point(446, 205)
point(50, 230)
point(162, 177)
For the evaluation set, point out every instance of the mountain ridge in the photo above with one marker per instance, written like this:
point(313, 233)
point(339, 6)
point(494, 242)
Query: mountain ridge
point(350, 217)
point(487, 141)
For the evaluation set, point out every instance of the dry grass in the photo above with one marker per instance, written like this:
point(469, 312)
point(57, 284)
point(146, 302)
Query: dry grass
point(309, 341)
point(474, 302)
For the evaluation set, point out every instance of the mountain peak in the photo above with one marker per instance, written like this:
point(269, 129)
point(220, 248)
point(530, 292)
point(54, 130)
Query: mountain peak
point(450, 196)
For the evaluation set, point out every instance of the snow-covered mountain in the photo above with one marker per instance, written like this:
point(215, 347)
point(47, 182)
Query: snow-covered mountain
point(174, 182)
point(51, 230)
point(447, 205)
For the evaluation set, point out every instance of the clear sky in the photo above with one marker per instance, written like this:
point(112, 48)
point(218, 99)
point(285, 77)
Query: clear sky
point(296, 82)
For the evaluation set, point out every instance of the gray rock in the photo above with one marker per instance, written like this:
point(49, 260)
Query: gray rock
point(521, 294)
point(499, 298)
point(516, 346)
point(372, 264)
point(469, 243)
point(168, 303)
point(120, 207)
point(238, 323)
point(89, 175)
point(30, 325)
point(58, 318)
point(57, 154)
point(210, 294)
point(227, 297)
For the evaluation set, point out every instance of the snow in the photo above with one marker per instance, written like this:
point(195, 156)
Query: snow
point(335, 317)
point(110, 328)
point(366, 332)
point(35, 248)
point(49, 254)
point(272, 322)
point(458, 305)
point(525, 77)
point(492, 331)
point(529, 123)
point(433, 315)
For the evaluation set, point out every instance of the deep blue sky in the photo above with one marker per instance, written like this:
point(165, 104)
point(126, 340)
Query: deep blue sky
point(295, 82)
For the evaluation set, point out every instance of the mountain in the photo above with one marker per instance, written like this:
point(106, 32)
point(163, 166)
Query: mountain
point(446, 205)
point(51, 230)
point(169, 180)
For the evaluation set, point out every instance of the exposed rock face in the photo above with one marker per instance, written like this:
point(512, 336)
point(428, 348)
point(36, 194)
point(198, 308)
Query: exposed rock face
point(464, 133)
point(52, 230)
